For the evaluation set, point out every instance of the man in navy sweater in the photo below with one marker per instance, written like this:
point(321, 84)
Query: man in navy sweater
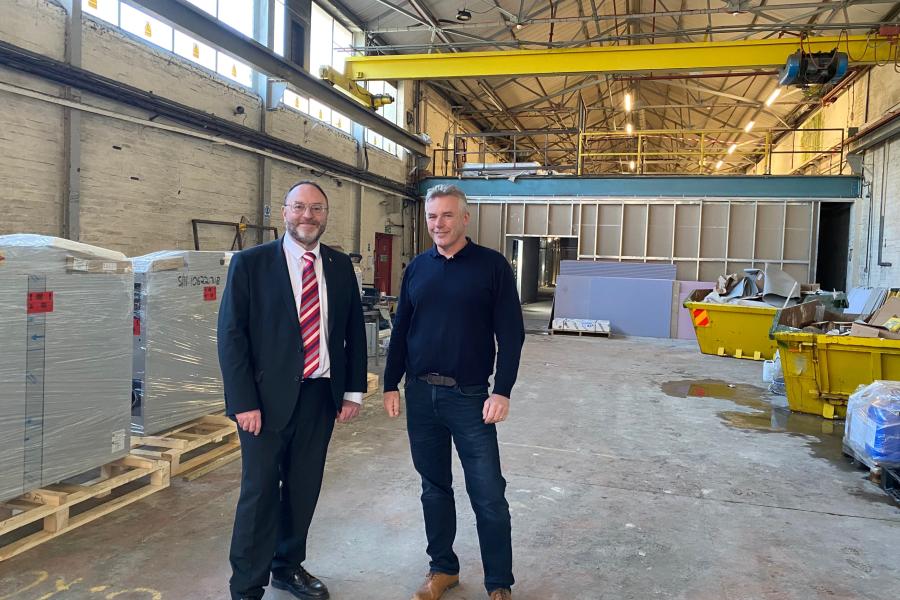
point(458, 311)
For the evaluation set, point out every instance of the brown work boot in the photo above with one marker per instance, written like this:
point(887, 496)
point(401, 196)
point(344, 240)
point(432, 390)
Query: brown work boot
point(501, 594)
point(435, 585)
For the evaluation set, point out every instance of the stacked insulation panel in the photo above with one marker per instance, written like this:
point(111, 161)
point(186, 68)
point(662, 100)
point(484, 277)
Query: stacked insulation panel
point(65, 359)
point(176, 366)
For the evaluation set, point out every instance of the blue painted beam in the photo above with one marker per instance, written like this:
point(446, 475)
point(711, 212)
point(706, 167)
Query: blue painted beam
point(751, 186)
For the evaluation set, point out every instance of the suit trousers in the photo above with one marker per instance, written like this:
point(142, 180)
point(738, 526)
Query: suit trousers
point(280, 483)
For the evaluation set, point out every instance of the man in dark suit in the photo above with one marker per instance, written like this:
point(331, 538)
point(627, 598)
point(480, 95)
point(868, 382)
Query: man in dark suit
point(292, 348)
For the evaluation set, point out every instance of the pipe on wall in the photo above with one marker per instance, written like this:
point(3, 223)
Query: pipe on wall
point(191, 133)
point(885, 167)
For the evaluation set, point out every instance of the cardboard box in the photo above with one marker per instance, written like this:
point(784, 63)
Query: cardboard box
point(168, 264)
point(874, 327)
point(890, 308)
point(87, 265)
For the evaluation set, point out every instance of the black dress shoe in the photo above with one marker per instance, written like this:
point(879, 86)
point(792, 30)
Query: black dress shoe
point(302, 585)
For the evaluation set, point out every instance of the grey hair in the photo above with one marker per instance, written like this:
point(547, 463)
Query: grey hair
point(304, 182)
point(448, 190)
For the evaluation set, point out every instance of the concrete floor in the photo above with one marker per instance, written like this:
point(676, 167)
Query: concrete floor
point(635, 471)
point(537, 314)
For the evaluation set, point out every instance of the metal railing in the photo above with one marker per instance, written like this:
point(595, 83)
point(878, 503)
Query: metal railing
point(695, 151)
point(516, 150)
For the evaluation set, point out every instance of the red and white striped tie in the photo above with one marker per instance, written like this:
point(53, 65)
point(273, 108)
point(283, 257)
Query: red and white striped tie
point(309, 315)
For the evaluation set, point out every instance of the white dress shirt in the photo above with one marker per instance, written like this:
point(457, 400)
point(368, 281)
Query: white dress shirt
point(293, 253)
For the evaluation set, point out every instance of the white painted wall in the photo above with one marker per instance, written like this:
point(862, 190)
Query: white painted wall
point(862, 104)
point(882, 173)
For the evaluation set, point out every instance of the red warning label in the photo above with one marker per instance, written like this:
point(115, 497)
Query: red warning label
point(40, 302)
point(209, 293)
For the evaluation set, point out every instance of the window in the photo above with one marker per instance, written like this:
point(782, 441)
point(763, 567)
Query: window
point(341, 41)
point(195, 50)
point(329, 45)
point(237, 14)
point(320, 48)
point(319, 110)
point(296, 101)
point(234, 69)
point(389, 112)
point(278, 27)
point(205, 5)
point(143, 25)
point(341, 122)
point(108, 10)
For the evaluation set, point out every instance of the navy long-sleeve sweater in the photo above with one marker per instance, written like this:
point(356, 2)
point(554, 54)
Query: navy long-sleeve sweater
point(451, 311)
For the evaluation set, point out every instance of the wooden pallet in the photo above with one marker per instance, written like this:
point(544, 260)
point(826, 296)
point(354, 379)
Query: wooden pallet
point(604, 334)
point(54, 504)
point(875, 471)
point(372, 387)
point(195, 448)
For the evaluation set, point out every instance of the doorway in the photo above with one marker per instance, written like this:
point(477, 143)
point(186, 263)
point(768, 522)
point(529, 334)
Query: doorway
point(535, 262)
point(834, 245)
point(384, 244)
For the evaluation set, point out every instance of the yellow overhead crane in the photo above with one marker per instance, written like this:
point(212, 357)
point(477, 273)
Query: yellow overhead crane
point(695, 56)
point(344, 83)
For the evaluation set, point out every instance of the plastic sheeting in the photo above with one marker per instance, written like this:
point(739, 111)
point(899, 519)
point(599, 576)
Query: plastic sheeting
point(176, 366)
point(872, 432)
point(65, 360)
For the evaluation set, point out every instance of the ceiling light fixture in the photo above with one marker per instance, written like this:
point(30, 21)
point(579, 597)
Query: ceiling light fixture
point(719, 165)
point(773, 96)
point(627, 102)
point(732, 148)
point(629, 129)
point(463, 15)
point(631, 165)
point(749, 126)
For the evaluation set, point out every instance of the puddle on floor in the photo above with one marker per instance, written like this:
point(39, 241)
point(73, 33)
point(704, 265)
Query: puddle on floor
point(765, 417)
point(825, 438)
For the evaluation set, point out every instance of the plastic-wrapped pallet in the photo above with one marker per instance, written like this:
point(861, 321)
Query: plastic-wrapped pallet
point(872, 431)
point(176, 365)
point(65, 359)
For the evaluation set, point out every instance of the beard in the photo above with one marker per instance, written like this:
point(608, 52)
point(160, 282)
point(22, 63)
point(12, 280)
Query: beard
point(302, 237)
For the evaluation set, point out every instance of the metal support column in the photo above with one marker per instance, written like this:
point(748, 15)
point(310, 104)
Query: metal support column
point(264, 33)
point(71, 223)
point(362, 163)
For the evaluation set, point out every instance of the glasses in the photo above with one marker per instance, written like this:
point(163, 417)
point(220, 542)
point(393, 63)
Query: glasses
point(300, 208)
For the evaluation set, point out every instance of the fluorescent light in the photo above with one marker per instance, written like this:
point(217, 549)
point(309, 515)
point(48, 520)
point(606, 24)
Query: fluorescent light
point(719, 165)
point(627, 102)
point(773, 96)
point(631, 165)
point(629, 129)
point(749, 126)
point(732, 148)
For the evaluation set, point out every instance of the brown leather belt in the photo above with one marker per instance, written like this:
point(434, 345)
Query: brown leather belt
point(436, 379)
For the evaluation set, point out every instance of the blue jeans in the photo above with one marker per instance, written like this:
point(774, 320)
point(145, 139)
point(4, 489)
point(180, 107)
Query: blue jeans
point(434, 416)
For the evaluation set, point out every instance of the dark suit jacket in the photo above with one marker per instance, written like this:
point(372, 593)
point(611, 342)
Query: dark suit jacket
point(260, 349)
